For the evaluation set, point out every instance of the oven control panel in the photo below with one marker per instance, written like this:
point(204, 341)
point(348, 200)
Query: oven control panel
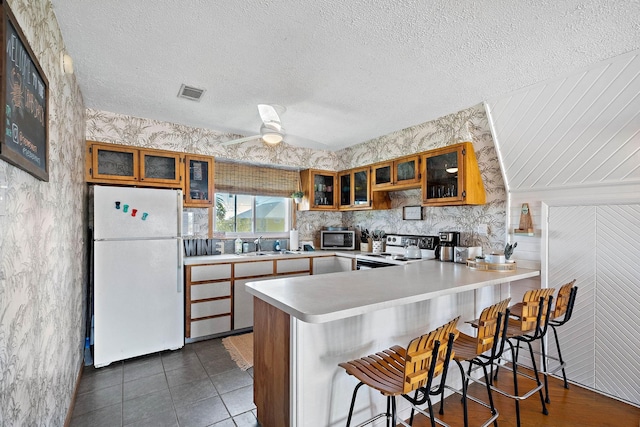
point(423, 242)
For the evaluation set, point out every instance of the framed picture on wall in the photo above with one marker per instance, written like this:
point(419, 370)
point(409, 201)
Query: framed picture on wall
point(24, 95)
point(412, 213)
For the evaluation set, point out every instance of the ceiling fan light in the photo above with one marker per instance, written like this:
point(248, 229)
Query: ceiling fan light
point(272, 138)
point(270, 135)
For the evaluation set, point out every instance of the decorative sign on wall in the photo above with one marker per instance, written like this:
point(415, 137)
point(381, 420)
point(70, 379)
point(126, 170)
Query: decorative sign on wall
point(24, 97)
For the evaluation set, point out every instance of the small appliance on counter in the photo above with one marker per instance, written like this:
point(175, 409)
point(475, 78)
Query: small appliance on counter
point(331, 238)
point(448, 241)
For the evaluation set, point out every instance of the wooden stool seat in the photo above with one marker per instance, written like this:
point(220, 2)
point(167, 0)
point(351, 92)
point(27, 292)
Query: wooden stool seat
point(397, 371)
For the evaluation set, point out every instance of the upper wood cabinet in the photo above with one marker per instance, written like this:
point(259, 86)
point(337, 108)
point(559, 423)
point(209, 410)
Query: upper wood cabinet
point(320, 192)
point(121, 164)
point(355, 191)
point(198, 191)
point(398, 174)
point(452, 177)
point(145, 167)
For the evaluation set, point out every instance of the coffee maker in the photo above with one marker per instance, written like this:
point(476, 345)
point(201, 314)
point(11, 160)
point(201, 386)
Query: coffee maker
point(448, 241)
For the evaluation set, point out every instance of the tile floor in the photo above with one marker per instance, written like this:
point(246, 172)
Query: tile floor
point(196, 386)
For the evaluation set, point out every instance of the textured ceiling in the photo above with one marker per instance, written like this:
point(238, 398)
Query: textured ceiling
point(347, 71)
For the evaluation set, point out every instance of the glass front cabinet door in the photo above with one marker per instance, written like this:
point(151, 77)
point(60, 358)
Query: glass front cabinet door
point(160, 167)
point(344, 178)
point(114, 163)
point(199, 181)
point(452, 177)
point(355, 190)
point(319, 190)
point(125, 165)
point(399, 174)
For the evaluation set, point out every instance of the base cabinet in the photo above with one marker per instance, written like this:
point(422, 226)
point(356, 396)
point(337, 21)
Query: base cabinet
point(242, 305)
point(208, 299)
point(216, 299)
point(334, 264)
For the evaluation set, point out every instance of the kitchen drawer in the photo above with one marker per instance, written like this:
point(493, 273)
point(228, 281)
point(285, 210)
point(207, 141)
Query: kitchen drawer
point(291, 265)
point(210, 290)
point(210, 308)
point(200, 328)
point(210, 272)
point(249, 269)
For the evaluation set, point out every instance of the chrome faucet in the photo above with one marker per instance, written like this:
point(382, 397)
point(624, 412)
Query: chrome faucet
point(258, 243)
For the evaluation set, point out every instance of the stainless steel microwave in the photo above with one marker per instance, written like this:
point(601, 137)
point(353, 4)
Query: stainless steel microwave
point(339, 239)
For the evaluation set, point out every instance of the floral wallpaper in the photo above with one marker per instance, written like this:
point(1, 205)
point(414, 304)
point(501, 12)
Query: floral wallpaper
point(467, 125)
point(42, 249)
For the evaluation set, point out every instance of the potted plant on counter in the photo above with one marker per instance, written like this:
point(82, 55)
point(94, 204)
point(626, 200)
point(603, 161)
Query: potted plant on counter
point(508, 251)
point(297, 196)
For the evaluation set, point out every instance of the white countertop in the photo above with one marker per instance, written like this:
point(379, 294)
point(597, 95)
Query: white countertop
point(328, 297)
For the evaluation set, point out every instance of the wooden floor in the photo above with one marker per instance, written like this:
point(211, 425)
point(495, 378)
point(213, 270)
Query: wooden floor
point(573, 407)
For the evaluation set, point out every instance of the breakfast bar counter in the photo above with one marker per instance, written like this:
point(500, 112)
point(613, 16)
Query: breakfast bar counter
point(305, 326)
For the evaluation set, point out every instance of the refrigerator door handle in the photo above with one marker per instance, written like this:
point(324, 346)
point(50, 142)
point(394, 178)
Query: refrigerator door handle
point(180, 266)
point(180, 213)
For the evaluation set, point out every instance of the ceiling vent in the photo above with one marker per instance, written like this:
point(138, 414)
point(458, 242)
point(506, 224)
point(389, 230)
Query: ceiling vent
point(190, 92)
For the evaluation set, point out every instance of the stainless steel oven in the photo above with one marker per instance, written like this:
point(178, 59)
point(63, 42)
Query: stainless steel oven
point(367, 264)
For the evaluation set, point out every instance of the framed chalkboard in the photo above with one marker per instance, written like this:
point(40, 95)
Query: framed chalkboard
point(24, 95)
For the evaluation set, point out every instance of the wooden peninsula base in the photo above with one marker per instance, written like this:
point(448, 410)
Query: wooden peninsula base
point(271, 364)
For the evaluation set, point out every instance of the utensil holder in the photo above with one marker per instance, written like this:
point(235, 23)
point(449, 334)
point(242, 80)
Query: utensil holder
point(365, 247)
point(377, 246)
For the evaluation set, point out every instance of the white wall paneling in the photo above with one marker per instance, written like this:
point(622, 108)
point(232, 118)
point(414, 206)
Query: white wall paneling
point(570, 147)
point(572, 255)
point(617, 295)
point(595, 245)
point(579, 129)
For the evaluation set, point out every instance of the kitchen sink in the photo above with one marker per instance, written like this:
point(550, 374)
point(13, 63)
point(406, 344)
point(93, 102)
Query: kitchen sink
point(267, 253)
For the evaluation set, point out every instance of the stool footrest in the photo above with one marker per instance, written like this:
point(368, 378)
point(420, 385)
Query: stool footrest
point(478, 401)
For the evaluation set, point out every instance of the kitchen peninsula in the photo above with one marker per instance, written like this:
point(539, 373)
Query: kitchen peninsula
point(305, 326)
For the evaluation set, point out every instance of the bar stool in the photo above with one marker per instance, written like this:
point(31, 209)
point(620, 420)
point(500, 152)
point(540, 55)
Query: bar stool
point(560, 315)
point(564, 308)
point(529, 326)
point(490, 335)
point(397, 372)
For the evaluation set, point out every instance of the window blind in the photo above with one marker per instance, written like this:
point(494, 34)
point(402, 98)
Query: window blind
point(238, 178)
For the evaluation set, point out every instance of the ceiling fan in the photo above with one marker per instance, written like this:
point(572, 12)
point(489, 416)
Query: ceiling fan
point(271, 130)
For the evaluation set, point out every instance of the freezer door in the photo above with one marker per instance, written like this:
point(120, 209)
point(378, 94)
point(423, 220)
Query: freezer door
point(131, 213)
point(138, 303)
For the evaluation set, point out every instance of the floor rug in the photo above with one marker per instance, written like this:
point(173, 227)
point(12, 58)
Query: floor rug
point(240, 347)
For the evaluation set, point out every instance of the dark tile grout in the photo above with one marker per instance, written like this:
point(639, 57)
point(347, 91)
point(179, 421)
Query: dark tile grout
point(205, 352)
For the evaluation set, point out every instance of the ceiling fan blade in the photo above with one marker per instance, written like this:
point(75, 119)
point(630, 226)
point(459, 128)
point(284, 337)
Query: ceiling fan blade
point(239, 140)
point(269, 114)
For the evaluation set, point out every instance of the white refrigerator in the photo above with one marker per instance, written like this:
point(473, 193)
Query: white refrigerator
point(138, 279)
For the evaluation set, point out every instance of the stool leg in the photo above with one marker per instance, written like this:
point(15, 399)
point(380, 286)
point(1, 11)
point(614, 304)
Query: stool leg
point(431, 414)
point(544, 370)
point(564, 374)
point(353, 402)
point(413, 411)
point(393, 411)
point(465, 384)
point(536, 373)
point(515, 381)
point(486, 380)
